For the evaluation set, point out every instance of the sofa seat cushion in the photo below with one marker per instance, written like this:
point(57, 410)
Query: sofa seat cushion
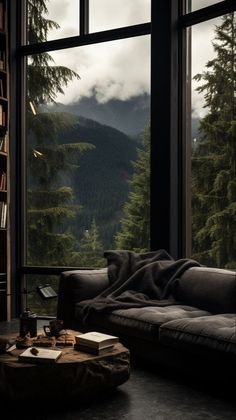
point(139, 322)
point(209, 335)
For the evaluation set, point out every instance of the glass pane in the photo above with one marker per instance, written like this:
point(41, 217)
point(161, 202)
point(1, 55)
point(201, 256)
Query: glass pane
point(83, 135)
point(110, 14)
point(199, 4)
point(34, 300)
point(214, 142)
point(51, 19)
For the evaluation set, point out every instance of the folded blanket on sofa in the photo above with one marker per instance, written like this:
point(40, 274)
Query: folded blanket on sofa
point(137, 280)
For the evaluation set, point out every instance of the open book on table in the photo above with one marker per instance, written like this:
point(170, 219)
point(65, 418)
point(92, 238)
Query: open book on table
point(39, 355)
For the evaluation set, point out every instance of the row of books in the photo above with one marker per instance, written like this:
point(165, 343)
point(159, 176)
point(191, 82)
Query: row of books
point(3, 215)
point(3, 181)
point(3, 143)
point(2, 116)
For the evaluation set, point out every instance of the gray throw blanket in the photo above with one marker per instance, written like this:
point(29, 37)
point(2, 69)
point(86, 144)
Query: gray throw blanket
point(137, 280)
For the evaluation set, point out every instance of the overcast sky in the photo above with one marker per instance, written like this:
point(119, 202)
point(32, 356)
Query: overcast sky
point(119, 69)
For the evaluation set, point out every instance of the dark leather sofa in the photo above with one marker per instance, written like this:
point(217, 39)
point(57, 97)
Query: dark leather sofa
point(196, 336)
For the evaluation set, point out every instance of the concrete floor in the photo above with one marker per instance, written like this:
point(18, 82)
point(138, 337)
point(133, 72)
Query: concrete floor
point(147, 395)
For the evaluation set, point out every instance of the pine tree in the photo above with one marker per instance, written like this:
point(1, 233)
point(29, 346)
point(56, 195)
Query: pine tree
point(37, 25)
point(91, 249)
point(51, 205)
point(214, 156)
point(135, 224)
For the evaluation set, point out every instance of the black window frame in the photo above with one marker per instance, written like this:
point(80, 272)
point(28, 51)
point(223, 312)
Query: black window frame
point(19, 51)
point(187, 20)
point(169, 142)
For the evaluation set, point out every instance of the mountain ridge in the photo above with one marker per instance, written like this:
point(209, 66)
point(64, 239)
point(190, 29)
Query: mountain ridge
point(129, 117)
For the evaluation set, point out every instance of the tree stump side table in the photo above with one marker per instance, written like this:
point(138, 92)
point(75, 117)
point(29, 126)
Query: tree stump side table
point(74, 375)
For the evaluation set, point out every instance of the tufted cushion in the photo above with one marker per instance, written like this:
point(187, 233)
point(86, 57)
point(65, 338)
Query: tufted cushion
point(211, 289)
point(139, 322)
point(203, 335)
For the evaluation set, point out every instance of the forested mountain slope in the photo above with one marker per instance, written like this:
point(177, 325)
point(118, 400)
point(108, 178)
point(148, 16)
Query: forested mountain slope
point(100, 183)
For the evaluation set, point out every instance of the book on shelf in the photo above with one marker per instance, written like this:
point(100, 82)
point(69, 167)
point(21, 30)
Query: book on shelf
point(3, 214)
point(1, 89)
point(39, 355)
point(3, 144)
point(93, 350)
point(2, 116)
point(3, 181)
point(96, 340)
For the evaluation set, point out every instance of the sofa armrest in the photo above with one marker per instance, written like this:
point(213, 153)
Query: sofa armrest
point(78, 285)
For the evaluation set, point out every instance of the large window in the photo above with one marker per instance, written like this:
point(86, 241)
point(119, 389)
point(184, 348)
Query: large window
point(85, 136)
point(109, 158)
point(80, 151)
point(212, 177)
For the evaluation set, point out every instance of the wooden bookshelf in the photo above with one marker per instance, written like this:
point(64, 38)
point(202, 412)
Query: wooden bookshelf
point(5, 283)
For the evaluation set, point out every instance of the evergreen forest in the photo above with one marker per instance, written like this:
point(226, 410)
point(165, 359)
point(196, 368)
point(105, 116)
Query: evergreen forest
point(78, 170)
point(214, 155)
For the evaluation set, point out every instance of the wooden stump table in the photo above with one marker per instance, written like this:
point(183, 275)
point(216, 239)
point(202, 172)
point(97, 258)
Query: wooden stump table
point(74, 375)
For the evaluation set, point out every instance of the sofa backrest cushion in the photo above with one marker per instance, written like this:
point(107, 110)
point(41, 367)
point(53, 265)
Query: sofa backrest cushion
point(78, 285)
point(210, 289)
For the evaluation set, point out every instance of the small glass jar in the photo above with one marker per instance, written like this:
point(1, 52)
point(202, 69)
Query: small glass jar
point(28, 323)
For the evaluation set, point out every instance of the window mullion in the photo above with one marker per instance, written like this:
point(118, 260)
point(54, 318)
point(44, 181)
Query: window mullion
point(84, 17)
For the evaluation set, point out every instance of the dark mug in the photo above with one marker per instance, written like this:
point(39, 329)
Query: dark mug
point(54, 328)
